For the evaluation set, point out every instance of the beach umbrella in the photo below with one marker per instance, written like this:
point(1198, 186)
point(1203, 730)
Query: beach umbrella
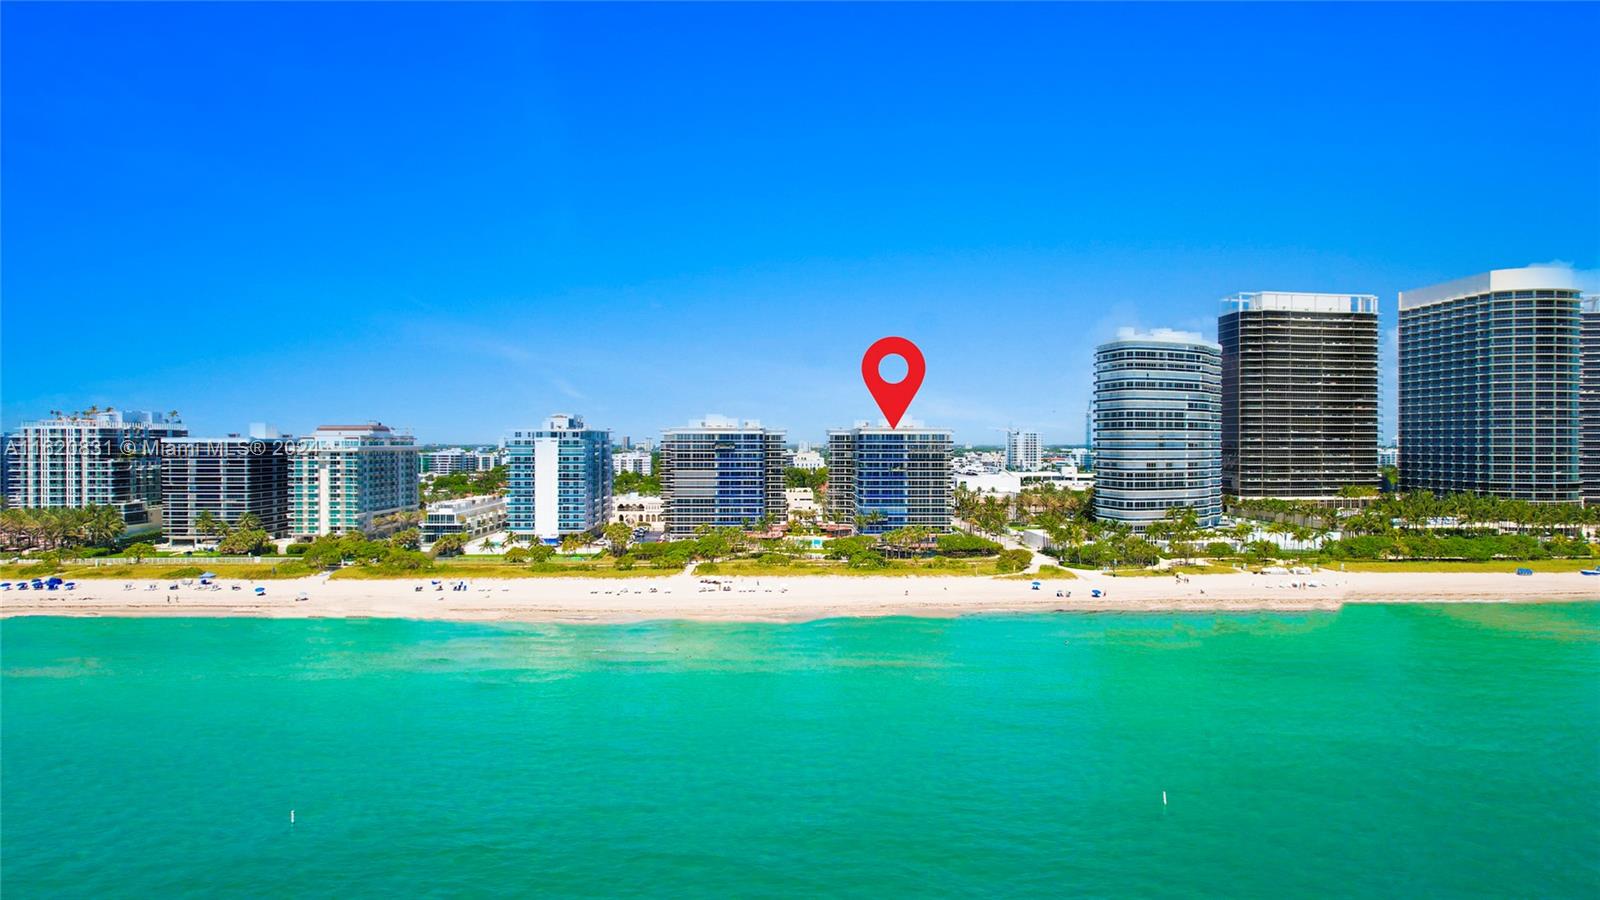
point(208, 574)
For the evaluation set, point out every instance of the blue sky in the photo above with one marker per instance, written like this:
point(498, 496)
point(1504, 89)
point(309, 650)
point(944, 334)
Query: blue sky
point(462, 218)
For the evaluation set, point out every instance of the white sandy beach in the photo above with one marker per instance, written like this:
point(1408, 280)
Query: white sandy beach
point(781, 599)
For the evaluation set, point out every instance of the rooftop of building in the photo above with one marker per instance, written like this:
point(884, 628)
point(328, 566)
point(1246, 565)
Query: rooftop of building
point(231, 439)
point(107, 416)
point(372, 427)
point(465, 504)
point(906, 426)
point(1303, 301)
point(1527, 278)
point(721, 423)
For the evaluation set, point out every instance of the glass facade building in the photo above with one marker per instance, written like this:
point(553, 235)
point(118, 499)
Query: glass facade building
point(1157, 428)
point(227, 477)
point(721, 474)
point(343, 478)
point(1489, 384)
point(109, 458)
point(882, 478)
point(1589, 404)
point(1299, 394)
point(558, 479)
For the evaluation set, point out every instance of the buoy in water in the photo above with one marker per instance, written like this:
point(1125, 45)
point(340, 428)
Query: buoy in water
point(291, 812)
point(1163, 802)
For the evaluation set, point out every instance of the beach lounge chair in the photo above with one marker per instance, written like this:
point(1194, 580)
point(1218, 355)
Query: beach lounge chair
point(1524, 571)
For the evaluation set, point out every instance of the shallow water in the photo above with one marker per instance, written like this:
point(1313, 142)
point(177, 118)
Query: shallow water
point(1379, 750)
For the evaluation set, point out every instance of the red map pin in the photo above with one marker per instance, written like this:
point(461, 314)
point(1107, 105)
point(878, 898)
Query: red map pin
point(893, 397)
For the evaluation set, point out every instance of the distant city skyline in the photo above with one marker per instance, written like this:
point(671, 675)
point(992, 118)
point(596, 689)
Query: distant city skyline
point(271, 213)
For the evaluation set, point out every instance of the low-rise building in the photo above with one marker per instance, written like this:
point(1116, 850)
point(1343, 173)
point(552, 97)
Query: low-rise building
point(449, 461)
point(801, 501)
point(472, 517)
point(1388, 456)
point(639, 462)
point(638, 510)
point(977, 462)
point(484, 460)
point(1010, 484)
point(806, 458)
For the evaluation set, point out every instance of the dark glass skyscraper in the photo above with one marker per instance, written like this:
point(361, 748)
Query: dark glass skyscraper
point(1489, 377)
point(1589, 404)
point(227, 477)
point(1299, 394)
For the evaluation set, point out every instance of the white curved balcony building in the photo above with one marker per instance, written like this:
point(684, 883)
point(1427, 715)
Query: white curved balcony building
point(1158, 427)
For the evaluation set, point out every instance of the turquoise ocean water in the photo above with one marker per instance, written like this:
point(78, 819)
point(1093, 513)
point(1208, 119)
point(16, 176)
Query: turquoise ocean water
point(1377, 751)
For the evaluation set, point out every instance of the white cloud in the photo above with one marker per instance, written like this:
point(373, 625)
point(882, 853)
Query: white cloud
point(1157, 334)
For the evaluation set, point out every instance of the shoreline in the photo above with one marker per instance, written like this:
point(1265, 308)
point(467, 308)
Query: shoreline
point(781, 599)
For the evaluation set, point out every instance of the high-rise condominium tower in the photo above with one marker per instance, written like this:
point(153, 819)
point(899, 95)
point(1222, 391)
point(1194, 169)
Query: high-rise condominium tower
point(227, 477)
point(1022, 451)
point(94, 458)
point(1299, 394)
point(882, 478)
point(1158, 428)
point(720, 473)
point(1489, 377)
point(345, 478)
point(558, 479)
point(1589, 405)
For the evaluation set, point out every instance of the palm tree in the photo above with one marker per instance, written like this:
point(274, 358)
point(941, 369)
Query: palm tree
point(617, 535)
point(1242, 531)
point(102, 525)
